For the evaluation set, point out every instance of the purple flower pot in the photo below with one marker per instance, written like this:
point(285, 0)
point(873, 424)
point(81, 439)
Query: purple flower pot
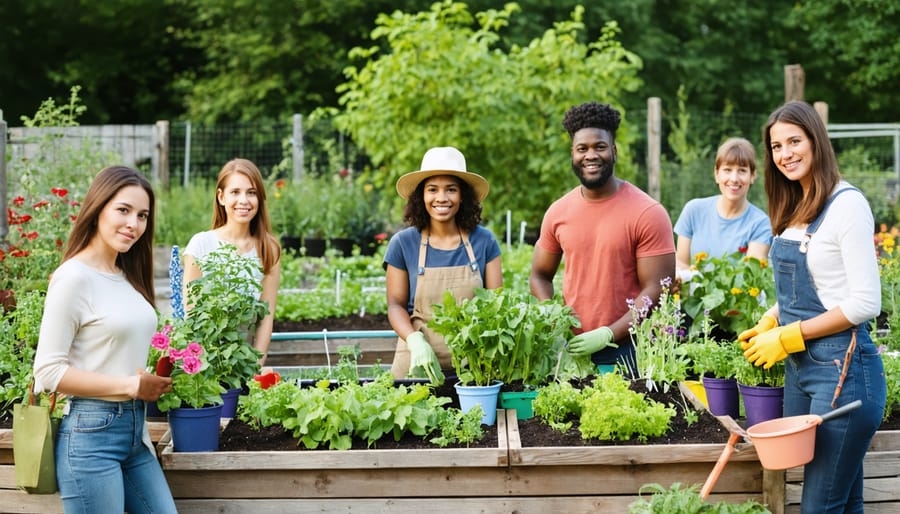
point(762, 403)
point(722, 396)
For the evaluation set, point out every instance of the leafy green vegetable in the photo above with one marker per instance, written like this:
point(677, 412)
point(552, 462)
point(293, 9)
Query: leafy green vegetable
point(503, 335)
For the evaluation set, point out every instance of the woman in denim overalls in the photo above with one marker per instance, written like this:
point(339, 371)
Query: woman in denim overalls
point(827, 284)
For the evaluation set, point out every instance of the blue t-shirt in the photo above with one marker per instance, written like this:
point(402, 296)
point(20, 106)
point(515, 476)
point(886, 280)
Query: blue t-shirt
point(717, 236)
point(403, 253)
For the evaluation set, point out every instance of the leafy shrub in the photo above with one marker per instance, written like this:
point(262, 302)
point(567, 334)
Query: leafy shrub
point(734, 291)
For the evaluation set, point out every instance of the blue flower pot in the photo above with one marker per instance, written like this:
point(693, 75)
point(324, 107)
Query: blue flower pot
point(486, 396)
point(722, 396)
point(229, 402)
point(762, 403)
point(195, 430)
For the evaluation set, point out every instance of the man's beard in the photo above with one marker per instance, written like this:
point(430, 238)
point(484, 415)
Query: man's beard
point(606, 171)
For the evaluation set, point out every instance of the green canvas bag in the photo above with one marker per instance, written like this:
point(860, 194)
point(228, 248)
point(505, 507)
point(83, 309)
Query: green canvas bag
point(34, 434)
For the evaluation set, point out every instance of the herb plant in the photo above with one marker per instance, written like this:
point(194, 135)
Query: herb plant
point(657, 333)
point(686, 500)
point(223, 309)
point(502, 335)
point(892, 374)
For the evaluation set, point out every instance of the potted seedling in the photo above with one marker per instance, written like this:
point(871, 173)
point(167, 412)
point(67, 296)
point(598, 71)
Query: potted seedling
point(501, 337)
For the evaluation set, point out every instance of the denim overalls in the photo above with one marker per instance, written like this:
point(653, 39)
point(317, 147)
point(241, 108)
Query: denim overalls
point(833, 481)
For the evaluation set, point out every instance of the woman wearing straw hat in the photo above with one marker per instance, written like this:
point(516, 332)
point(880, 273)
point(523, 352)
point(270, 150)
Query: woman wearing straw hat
point(443, 248)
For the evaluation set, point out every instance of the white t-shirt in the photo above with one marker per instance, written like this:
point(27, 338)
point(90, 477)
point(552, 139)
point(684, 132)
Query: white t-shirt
point(202, 243)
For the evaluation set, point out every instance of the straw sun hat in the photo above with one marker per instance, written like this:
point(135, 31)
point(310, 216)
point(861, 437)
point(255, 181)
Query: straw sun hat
point(443, 160)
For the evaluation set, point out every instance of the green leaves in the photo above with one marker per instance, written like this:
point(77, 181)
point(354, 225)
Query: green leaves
point(733, 291)
point(503, 335)
point(224, 309)
point(501, 104)
point(319, 416)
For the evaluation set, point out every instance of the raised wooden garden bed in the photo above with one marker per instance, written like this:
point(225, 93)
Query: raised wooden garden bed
point(510, 477)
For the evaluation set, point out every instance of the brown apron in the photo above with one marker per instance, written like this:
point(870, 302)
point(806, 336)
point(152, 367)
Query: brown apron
point(430, 286)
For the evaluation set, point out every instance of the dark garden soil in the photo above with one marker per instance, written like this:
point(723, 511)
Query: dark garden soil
point(239, 436)
point(367, 322)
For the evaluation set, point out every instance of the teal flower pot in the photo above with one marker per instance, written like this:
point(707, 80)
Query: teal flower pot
point(520, 401)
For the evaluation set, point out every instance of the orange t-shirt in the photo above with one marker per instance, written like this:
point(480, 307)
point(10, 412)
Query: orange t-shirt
point(601, 241)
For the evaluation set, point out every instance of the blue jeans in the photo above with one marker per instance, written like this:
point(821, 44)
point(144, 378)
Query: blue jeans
point(833, 480)
point(102, 464)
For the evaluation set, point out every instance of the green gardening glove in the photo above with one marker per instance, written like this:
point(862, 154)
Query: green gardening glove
point(591, 342)
point(423, 363)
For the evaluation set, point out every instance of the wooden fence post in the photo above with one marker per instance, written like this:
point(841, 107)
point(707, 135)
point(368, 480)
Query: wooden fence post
point(297, 147)
point(4, 223)
point(822, 109)
point(162, 154)
point(794, 81)
point(654, 146)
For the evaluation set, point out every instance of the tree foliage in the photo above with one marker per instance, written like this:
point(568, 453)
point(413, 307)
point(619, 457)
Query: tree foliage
point(446, 81)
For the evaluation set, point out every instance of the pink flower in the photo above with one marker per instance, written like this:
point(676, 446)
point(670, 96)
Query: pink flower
point(194, 349)
point(160, 341)
point(190, 364)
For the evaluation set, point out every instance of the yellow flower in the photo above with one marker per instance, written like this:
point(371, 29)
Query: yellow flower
point(700, 256)
point(676, 297)
point(367, 188)
point(754, 292)
point(763, 263)
point(736, 291)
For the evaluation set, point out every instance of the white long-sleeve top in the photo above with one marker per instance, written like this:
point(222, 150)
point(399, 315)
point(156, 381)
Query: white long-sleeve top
point(93, 321)
point(841, 257)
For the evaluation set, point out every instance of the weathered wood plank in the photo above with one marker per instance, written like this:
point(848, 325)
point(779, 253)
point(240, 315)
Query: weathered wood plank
point(12, 500)
point(519, 505)
point(649, 454)
point(874, 490)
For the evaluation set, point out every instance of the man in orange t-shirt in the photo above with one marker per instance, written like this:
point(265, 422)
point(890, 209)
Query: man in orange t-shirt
point(616, 239)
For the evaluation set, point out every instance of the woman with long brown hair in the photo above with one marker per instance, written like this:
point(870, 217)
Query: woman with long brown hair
point(99, 317)
point(827, 287)
point(240, 218)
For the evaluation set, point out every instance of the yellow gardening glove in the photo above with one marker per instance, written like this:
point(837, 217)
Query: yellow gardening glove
point(588, 343)
point(422, 360)
point(774, 345)
point(764, 324)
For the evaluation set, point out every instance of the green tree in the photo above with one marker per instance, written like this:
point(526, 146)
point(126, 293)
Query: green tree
point(854, 56)
point(271, 58)
point(445, 82)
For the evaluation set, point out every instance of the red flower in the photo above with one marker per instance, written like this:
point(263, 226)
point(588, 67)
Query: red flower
point(267, 380)
point(31, 236)
point(59, 192)
point(742, 249)
point(381, 237)
point(344, 172)
point(280, 183)
point(19, 201)
point(164, 366)
point(42, 203)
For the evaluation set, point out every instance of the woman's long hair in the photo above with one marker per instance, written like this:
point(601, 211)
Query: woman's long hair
point(787, 204)
point(267, 246)
point(136, 263)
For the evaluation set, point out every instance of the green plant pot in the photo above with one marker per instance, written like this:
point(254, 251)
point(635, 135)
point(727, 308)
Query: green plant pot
point(520, 401)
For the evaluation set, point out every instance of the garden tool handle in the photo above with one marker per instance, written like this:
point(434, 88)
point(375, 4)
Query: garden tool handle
point(720, 465)
point(840, 411)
